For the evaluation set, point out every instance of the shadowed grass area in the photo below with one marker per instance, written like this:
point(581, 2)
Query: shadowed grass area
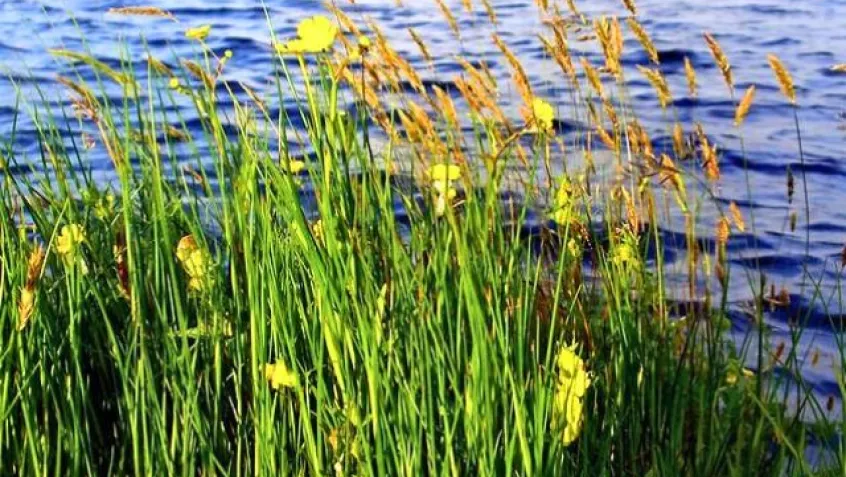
point(382, 305)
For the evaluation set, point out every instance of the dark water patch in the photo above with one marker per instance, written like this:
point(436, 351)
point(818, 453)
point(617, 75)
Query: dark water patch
point(782, 42)
point(825, 226)
point(767, 10)
point(675, 56)
point(249, 13)
point(781, 264)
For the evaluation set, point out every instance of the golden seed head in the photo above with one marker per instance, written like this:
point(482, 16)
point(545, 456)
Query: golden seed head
point(737, 216)
point(450, 18)
point(26, 305)
point(593, 77)
point(34, 264)
point(723, 231)
point(521, 79)
point(785, 81)
point(721, 59)
point(678, 141)
point(644, 39)
point(489, 9)
point(424, 50)
point(660, 84)
point(690, 74)
point(744, 106)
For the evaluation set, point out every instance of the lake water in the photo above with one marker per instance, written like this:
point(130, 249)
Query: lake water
point(809, 36)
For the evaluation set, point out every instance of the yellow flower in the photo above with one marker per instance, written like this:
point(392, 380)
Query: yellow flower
point(573, 383)
point(543, 114)
point(572, 408)
point(364, 43)
point(199, 33)
point(185, 247)
point(571, 368)
point(196, 284)
point(735, 370)
point(315, 35)
point(565, 203)
point(280, 376)
point(444, 172)
point(574, 248)
point(317, 230)
point(194, 261)
point(442, 177)
point(296, 166)
point(624, 254)
point(69, 239)
point(180, 88)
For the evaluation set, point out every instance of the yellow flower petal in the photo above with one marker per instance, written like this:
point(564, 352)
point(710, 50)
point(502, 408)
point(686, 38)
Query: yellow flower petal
point(574, 422)
point(573, 382)
point(318, 32)
point(574, 248)
point(70, 237)
point(624, 254)
point(364, 42)
point(317, 230)
point(196, 264)
point(295, 167)
point(186, 246)
point(444, 172)
point(543, 114)
point(315, 35)
point(569, 363)
point(731, 378)
point(568, 413)
point(199, 33)
point(196, 284)
point(280, 376)
point(292, 47)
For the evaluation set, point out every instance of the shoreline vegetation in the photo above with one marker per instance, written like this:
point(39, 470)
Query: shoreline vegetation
point(229, 306)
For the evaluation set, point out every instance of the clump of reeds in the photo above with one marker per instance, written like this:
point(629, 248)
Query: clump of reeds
point(287, 321)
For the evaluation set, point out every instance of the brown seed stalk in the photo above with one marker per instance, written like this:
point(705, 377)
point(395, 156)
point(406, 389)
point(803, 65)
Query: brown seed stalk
point(450, 18)
point(593, 77)
point(785, 81)
point(737, 216)
point(723, 231)
point(690, 74)
point(721, 59)
point(143, 11)
point(659, 83)
point(521, 79)
point(744, 106)
point(644, 39)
